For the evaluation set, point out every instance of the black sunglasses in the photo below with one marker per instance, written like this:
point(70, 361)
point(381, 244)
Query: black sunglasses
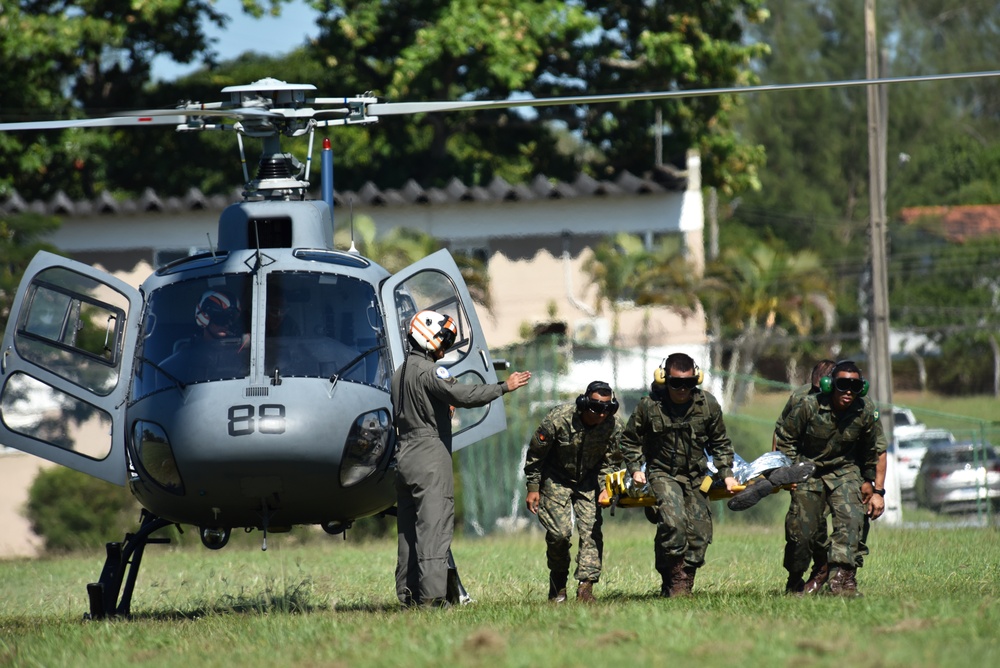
point(852, 385)
point(685, 383)
point(599, 407)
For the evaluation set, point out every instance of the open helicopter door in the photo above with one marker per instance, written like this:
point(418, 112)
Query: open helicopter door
point(66, 364)
point(436, 283)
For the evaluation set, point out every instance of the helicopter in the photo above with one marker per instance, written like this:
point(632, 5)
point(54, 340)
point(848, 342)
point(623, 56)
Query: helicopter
point(246, 386)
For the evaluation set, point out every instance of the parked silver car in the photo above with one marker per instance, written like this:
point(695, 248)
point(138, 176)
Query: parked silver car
point(959, 477)
point(909, 449)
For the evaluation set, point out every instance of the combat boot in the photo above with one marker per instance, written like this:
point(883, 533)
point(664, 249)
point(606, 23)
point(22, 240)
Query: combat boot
point(843, 582)
point(557, 587)
point(795, 585)
point(683, 580)
point(667, 575)
point(585, 593)
point(817, 578)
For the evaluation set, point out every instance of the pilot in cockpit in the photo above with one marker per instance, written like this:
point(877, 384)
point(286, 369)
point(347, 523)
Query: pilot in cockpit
point(223, 348)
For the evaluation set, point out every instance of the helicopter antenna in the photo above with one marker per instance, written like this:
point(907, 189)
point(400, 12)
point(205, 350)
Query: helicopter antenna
point(326, 174)
point(353, 248)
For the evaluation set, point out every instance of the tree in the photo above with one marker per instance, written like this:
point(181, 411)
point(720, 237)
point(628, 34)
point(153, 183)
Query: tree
point(640, 46)
point(761, 291)
point(625, 272)
point(89, 58)
point(19, 242)
point(461, 49)
point(950, 293)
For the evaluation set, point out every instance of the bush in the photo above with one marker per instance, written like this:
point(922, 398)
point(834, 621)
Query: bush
point(74, 511)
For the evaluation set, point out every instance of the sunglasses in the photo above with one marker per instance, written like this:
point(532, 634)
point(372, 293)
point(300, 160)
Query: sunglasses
point(845, 385)
point(599, 407)
point(685, 383)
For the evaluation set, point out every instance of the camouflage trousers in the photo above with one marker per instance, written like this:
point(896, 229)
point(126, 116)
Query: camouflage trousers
point(806, 523)
point(557, 508)
point(799, 549)
point(685, 522)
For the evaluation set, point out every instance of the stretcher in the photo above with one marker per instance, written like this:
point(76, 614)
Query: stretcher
point(768, 474)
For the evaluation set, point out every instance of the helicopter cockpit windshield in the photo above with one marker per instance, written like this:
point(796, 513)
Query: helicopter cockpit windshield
point(195, 331)
point(326, 326)
point(315, 325)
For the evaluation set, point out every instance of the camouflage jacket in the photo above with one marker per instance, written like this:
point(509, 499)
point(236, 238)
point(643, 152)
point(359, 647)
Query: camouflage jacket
point(674, 439)
point(566, 450)
point(838, 443)
point(797, 395)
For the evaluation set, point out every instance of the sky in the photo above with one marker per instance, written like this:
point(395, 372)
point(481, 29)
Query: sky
point(244, 33)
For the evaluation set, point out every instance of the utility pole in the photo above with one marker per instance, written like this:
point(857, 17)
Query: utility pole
point(879, 354)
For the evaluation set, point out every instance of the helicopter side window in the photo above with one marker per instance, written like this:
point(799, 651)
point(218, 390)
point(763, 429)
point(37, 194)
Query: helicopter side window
point(73, 326)
point(323, 325)
point(194, 331)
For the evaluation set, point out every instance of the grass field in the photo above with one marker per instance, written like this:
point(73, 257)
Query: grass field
point(932, 599)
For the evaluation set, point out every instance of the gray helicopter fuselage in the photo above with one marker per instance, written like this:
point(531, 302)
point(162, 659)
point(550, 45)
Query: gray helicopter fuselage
point(244, 386)
point(254, 427)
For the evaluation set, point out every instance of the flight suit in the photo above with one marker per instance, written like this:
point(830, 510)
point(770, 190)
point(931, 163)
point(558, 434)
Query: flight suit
point(566, 463)
point(673, 441)
point(845, 448)
point(422, 396)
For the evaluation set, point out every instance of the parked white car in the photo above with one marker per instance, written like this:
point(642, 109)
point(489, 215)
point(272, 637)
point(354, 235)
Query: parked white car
point(905, 422)
point(909, 450)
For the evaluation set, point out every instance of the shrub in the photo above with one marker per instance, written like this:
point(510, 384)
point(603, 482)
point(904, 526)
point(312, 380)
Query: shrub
point(73, 511)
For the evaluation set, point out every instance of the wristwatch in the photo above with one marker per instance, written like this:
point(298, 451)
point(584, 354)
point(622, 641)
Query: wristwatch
point(880, 492)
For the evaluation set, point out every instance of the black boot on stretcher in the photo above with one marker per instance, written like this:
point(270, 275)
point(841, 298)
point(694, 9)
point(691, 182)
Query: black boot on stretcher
point(770, 482)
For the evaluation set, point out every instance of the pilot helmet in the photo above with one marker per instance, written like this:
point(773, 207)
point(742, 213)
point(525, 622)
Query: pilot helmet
point(217, 308)
point(433, 331)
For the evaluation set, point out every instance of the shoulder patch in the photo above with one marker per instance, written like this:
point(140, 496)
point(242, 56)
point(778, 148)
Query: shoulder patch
point(442, 373)
point(875, 414)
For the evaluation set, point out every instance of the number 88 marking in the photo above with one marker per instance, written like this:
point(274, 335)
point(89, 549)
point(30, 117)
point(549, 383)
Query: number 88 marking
point(270, 421)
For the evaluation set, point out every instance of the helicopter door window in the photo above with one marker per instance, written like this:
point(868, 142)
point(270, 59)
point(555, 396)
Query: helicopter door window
point(195, 331)
point(436, 291)
point(35, 409)
point(324, 326)
point(73, 326)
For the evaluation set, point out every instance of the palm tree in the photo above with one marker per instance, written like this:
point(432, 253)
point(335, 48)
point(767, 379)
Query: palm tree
point(761, 290)
point(625, 272)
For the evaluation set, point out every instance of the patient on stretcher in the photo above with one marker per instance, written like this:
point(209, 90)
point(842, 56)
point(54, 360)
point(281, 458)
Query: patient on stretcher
point(765, 475)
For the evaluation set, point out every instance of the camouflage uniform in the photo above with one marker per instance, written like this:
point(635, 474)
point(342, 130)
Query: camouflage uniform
point(566, 463)
point(422, 396)
point(845, 448)
point(673, 440)
point(800, 549)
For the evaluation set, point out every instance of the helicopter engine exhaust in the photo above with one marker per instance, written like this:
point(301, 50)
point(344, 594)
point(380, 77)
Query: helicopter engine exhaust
point(214, 538)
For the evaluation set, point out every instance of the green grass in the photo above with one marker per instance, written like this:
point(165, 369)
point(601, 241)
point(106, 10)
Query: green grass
point(931, 600)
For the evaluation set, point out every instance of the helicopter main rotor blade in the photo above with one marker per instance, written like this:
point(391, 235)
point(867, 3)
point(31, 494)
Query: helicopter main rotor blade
point(116, 121)
point(400, 108)
point(238, 113)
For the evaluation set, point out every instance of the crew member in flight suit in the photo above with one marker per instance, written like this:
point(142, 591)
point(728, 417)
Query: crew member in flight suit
point(423, 395)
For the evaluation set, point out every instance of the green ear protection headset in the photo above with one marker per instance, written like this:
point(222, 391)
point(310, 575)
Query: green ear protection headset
point(826, 382)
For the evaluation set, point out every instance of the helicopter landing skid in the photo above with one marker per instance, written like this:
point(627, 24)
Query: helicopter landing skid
point(122, 557)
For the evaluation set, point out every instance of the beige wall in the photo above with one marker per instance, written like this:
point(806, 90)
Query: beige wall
point(17, 470)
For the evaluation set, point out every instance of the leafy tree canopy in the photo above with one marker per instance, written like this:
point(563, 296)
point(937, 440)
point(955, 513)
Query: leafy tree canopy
point(98, 60)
